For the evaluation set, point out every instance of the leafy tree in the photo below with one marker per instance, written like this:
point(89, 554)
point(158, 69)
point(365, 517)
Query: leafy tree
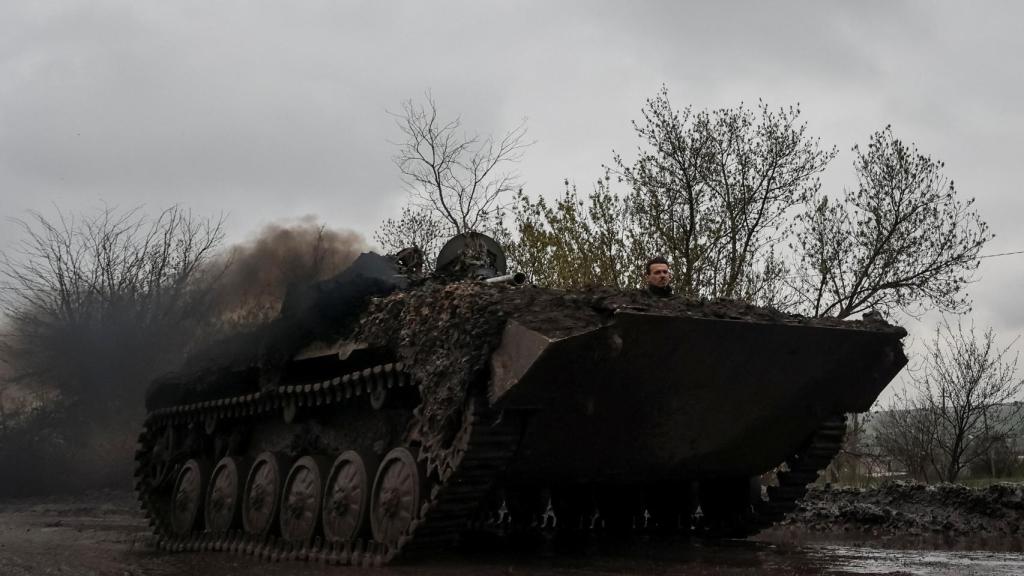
point(574, 243)
point(711, 190)
point(900, 240)
point(732, 198)
point(415, 227)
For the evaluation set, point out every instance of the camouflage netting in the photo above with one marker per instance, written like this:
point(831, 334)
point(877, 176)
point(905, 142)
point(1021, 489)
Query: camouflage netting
point(445, 333)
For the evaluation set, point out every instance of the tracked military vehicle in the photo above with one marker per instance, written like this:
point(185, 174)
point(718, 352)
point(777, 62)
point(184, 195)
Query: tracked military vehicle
point(386, 414)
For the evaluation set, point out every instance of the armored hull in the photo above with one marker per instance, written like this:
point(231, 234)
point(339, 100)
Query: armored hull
point(471, 406)
point(681, 397)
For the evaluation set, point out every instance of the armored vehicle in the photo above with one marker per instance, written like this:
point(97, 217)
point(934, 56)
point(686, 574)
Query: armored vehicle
point(387, 414)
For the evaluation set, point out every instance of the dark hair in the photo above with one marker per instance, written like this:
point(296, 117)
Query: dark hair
point(653, 261)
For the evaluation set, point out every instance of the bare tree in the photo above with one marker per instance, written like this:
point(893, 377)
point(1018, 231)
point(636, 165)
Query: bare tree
point(858, 458)
point(97, 303)
point(907, 434)
point(901, 239)
point(461, 178)
point(964, 406)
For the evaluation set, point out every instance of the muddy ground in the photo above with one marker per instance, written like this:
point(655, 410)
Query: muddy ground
point(903, 509)
point(103, 534)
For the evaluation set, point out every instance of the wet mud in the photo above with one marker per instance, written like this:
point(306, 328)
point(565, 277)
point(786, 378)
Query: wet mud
point(899, 510)
point(103, 534)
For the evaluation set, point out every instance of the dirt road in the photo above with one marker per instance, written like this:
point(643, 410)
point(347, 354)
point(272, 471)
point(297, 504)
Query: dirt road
point(103, 535)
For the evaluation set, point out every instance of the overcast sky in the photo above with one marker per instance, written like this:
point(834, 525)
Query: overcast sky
point(272, 110)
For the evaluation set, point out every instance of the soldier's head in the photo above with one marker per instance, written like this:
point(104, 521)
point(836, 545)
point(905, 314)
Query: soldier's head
point(657, 272)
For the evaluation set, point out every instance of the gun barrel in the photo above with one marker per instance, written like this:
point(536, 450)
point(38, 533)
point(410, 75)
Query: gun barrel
point(516, 278)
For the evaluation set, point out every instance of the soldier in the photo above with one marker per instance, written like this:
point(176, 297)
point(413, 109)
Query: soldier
point(659, 277)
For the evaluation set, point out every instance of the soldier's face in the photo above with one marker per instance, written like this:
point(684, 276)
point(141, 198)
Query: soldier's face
point(659, 275)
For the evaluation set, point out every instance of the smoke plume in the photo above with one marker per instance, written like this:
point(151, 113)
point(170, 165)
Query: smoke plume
point(99, 358)
point(256, 274)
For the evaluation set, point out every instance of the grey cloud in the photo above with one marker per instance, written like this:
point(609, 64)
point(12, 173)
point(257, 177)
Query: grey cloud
point(269, 110)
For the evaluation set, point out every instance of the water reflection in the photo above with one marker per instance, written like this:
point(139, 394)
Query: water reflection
point(683, 559)
point(852, 560)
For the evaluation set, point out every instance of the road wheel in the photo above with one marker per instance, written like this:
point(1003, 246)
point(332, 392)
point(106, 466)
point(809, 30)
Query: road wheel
point(262, 494)
point(346, 498)
point(223, 496)
point(395, 499)
point(301, 500)
point(187, 497)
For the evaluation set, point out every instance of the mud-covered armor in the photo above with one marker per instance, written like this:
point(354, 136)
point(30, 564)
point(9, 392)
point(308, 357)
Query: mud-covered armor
point(383, 415)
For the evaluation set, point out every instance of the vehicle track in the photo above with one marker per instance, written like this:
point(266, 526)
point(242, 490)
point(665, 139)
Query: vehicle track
point(455, 479)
